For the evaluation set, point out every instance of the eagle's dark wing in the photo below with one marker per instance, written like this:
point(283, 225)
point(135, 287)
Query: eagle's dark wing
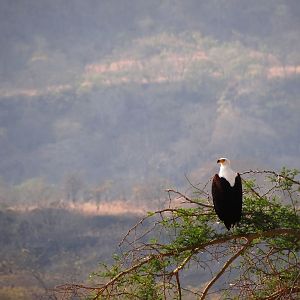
point(237, 197)
point(220, 192)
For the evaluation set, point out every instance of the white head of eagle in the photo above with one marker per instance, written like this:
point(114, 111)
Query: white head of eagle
point(227, 194)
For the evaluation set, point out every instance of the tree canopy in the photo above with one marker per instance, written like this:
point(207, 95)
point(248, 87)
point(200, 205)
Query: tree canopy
point(160, 256)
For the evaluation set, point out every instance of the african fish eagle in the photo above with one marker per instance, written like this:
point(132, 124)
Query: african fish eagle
point(227, 194)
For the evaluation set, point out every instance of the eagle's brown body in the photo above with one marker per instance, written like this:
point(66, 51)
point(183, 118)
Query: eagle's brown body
point(227, 199)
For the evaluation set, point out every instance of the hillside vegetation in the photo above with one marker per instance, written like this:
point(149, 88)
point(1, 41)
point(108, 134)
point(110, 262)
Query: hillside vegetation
point(155, 102)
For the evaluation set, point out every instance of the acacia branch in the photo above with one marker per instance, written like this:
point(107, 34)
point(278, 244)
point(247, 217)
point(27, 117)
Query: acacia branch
point(249, 236)
point(224, 268)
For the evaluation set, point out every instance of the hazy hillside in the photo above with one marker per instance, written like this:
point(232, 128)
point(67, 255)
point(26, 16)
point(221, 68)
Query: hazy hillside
point(136, 91)
point(47, 247)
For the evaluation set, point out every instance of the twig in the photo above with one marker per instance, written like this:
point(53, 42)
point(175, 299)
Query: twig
point(178, 285)
point(185, 261)
point(271, 172)
point(188, 199)
point(202, 191)
point(141, 221)
point(121, 274)
point(253, 190)
point(283, 292)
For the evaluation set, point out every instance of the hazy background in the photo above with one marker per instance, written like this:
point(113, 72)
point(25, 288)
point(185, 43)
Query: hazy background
point(113, 101)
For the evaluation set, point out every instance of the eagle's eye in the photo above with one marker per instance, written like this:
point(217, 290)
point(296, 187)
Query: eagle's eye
point(221, 160)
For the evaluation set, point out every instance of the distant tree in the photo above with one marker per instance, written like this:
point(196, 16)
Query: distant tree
point(72, 185)
point(150, 192)
point(257, 260)
point(101, 192)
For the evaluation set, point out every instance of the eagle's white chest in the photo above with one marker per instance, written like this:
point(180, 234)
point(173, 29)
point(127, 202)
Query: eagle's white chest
point(228, 174)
